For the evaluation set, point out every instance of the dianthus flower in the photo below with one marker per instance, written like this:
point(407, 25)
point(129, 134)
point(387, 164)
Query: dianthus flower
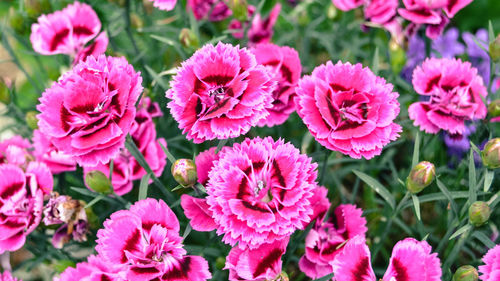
point(259, 191)
point(220, 92)
point(260, 264)
point(411, 260)
point(67, 31)
point(261, 29)
point(381, 11)
point(490, 271)
point(325, 241)
point(15, 151)
point(21, 202)
point(214, 10)
point(88, 113)
point(143, 132)
point(284, 64)
point(47, 153)
point(454, 91)
point(6, 276)
point(145, 241)
point(93, 269)
point(165, 5)
point(348, 109)
point(346, 5)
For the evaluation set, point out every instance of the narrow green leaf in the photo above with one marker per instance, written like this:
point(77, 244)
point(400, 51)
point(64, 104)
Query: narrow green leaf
point(143, 187)
point(488, 179)
point(156, 77)
point(216, 39)
point(472, 178)
point(220, 145)
point(448, 195)
point(460, 231)
point(484, 239)
point(95, 200)
point(111, 169)
point(425, 237)
point(200, 187)
point(375, 62)
point(378, 187)
point(325, 278)
point(177, 187)
point(476, 149)
point(170, 157)
point(186, 231)
point(416, 151)
point(416, 205)
point(165, 40)
point(491, 32)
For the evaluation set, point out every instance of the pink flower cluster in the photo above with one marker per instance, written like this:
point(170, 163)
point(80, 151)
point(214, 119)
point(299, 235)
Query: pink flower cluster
point(143, 132)
point(453, 92)
point(348, 109)
point(90, 110)
point(68, 31)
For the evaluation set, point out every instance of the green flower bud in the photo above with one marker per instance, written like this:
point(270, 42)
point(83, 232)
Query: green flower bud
point(494, 49)
point(491, 154)
point(98, 182)
point(184, 172)
point(466, 273)
point(31, 120)
point(494, 108)
point(397, 56)
point(420, 177)
point(479, 213)
point(17, 21)
point(61, 265)
point(4, 93)
point(239, 9)
point(136, 21)
point(220, 262)
point(188, 38)
point(332, 12)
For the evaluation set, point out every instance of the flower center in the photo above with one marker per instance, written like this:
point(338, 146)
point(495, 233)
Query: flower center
point(266, 196)
point(217, 94)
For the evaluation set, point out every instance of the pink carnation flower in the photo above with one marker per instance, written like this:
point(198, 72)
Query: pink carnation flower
point(6, 276)
point(411, 260)
point(21, 202)
point(90, 110)
point(259, 191)
point(348, 109)
point(15, 151)
point(125, 166)
point(347, 5)
point(490, 271)
point(381, 11)
point(261, 29)
point(325, 241)
point(320, 204)
point(47, 153)
point(454, 91)
point(220, 92)
point(260, 264)
point(166, 5)
point(284, 64)
point(145, 241)
point(66, 31)
point(215, 10)
point(92, 270)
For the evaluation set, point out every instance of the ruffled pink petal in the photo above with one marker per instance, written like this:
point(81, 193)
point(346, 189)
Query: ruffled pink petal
point(152, 211)
point(43, 176)
point(197, 210)
point(346, 5)
point(491, 267)
point(354, 262)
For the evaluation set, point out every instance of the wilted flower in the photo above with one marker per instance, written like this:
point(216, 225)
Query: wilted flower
point(490, 271)
point(421, 176)
point(410, 258)
point(479, 213)
point(348, 109)
point(220, 92)
point(491, 154)
point(184, 172)
point(455, 94)
point(466, 273)
point(90, 110)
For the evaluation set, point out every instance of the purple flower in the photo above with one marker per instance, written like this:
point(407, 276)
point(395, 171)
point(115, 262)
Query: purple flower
point(478, 56)
point(447, 44)
point(414, 56)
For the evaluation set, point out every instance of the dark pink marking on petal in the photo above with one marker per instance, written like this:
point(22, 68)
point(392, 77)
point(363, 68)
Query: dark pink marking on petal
point(338, 88)
point(178, 273)
point(432, 82)
point(82, 30)
point(11, 189)
point(217, 79)
point(270, 259)
point(131, 244)
point(400, 270)
point(254, 207)
point(58, 39)
point(361, 270)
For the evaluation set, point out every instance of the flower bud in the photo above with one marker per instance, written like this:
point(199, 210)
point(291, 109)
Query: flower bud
point(98, 182)
point(31, 120)
point(17, 22)
point(397, 56)
point(184, 172)
point(220, 262)
point(479, 213)
point(188, 39)
point(466, 273)
point(136, 21)
point(494, 108)
point(420, 176)
point(332, 12)
point(494, 49)
point(491, 154)
point(4, 92)
point(239, 9)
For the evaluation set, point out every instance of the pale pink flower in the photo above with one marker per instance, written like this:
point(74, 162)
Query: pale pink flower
point(65, 31)
point(381, 11)
point(21, 202)
point(261, 29)
point(325, 241)
point(47, 153)
point(88, 113)
point(6, 276)
point(145, 241)
point(92, 270)
point(220, 92)
point(15, 151)
point(454, 91)
point(260, 264)
point(260, 191)
point(214, 10)
point(284, 64)
point(411, 260)
point(348, 109)
point(490, 271)
point(347, 5)
point(166, 5)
